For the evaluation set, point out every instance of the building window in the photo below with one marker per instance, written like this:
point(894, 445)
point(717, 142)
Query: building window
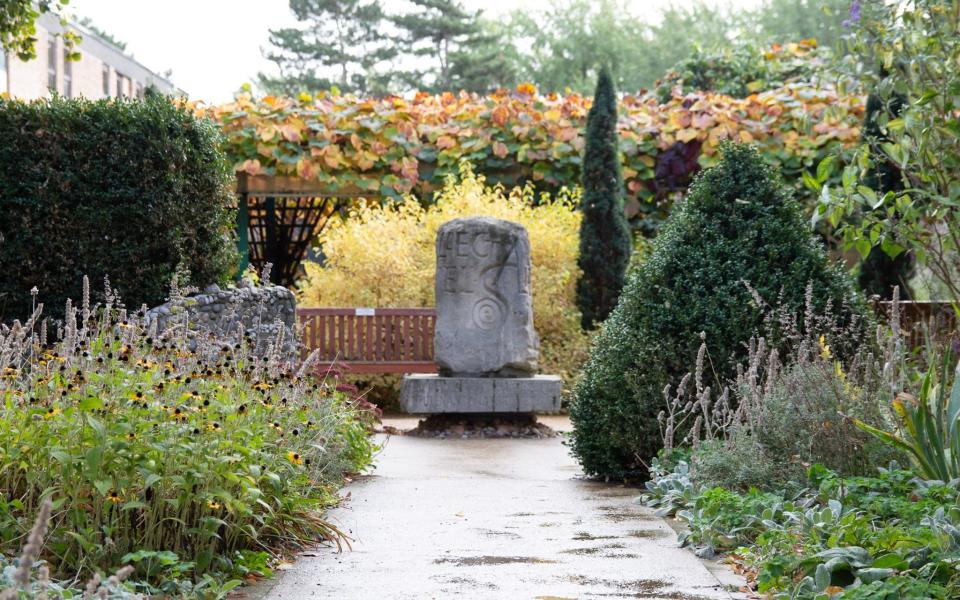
point(106, 81)
point(67, 75)
point(139, 90)
point(4, 87)
point(121, 85)
point(52, 57)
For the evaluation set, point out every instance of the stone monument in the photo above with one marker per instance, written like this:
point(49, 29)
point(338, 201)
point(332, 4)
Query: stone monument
point(485, 345)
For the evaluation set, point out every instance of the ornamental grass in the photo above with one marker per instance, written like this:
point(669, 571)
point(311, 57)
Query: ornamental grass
point(170, 442)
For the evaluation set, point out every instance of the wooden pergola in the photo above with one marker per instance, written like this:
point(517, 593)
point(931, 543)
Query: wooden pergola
point(278, 217)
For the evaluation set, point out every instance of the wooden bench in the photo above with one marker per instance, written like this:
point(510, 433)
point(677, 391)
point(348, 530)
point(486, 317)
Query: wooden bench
point(371, 340)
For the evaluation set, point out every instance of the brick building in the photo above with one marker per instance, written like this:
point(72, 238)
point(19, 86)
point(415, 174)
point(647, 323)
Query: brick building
point(103, 70)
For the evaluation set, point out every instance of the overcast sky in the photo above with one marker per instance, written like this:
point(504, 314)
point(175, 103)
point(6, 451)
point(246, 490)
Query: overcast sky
point(214, 46)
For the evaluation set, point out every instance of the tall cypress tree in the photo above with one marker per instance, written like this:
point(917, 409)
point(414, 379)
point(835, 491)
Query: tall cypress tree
point(605, 242)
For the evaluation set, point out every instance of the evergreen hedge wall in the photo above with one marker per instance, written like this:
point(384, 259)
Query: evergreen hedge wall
point(125, 189)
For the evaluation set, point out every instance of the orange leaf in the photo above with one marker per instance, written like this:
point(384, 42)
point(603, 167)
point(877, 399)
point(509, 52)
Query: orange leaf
point(500, 115)
point(500, 149)
point(445, 141)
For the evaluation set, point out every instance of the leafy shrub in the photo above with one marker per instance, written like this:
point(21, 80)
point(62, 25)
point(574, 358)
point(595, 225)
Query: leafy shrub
point(131, 190)
point(740, 463)
point(888, 536)
point(169, 459)
point(386, 257)
point(744, 69)
point(797, 418)
point(738, 225)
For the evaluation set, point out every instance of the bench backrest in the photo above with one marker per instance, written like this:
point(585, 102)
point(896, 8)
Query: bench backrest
point(371, 340)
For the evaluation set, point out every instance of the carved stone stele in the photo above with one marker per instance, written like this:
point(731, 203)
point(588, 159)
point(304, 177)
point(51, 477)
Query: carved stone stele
point(484, 302)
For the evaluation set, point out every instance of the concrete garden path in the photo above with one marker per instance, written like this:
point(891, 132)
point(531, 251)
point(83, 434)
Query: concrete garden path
point(496, 518)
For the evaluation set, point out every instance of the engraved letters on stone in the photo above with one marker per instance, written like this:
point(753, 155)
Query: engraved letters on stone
point(484, 304)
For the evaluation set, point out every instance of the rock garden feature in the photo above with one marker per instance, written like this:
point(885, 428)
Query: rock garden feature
point(266, 316)
point(486, 347)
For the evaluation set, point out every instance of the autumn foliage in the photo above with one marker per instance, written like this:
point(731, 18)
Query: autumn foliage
point(395, 145)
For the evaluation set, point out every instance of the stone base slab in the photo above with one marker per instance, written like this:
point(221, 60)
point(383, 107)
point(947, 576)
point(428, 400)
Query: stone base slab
point(432, 394)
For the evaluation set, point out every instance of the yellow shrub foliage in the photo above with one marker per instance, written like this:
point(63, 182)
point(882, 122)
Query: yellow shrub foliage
point(385, 257)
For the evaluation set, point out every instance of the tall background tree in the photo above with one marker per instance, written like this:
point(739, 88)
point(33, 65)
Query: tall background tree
point(340, 42)
point(439, 45)
point(605, 241)
point(451, 47)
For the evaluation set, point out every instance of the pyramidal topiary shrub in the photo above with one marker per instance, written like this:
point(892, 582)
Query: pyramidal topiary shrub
point(738, 224)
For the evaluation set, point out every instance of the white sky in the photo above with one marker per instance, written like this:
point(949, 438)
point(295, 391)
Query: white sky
point(214, 46)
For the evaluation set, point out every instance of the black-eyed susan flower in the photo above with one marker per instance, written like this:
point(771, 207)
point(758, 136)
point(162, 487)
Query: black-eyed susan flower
point(275, 425)
point(51, 412)
point(114, 497)
point(178, 414)
point(242, 409)
point(294, 458)
point(213, 505)
point(214, 426)
point(131, 436)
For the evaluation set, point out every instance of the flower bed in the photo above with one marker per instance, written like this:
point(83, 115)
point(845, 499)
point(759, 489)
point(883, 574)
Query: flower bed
point(183, 463)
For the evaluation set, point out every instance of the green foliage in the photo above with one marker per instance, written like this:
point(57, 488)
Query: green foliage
point(879, 272)
point(741, 463)
point(738, 224)
point(791, 20)
point(174, 461)
point(744, 68)
point(889, 41)
point(345, 44)
point(340, 44)
point(130, 190)
point(558, 47)
point(929, 425)
point(465, 53)
point(798, 422)
point(18, 27)
point(887, 536)
point(605, 241)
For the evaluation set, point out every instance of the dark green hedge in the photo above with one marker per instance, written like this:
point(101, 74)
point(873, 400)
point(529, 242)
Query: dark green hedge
point(738, 223)
point(125, 189)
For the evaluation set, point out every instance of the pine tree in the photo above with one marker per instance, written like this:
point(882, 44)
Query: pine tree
point(465, 52)
point(605, 241)
point(879, 272)
point(341, 43)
